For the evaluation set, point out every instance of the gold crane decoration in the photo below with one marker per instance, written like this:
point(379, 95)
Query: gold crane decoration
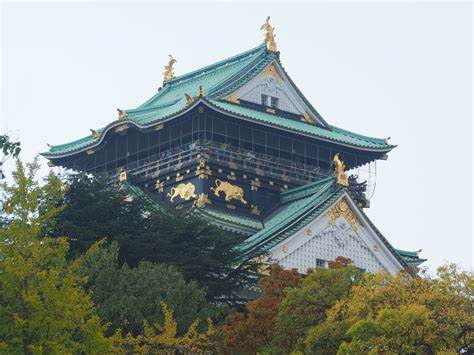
point(169, 72)
point(269, 38)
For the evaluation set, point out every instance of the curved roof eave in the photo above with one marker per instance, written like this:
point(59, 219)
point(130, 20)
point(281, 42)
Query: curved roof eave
point(202, 100)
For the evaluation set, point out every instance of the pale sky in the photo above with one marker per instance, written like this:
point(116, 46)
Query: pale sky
point(395, 69)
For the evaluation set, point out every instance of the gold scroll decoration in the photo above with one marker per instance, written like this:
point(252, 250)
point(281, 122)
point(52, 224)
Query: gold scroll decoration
point(183, 191)
point(339, 167)
point(231, 191)
point(342, 209)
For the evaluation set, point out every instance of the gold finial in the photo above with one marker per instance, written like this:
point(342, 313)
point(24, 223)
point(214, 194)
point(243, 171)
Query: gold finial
point(169, 73)
point(189, 99)
point(201, 91)
point(269, 38)
point(122, 114)
point(95, 134)
point(339, 166)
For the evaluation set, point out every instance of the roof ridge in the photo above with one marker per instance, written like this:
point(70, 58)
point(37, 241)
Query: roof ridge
point(307, 186)
point(223, 87)
point(216, 64)
point(361, 136)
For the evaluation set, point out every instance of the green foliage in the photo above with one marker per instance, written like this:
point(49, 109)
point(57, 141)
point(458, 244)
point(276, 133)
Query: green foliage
point(164, 339)
point(305, 306)
point(126, 296)
point(43, 307)
point(95, 209)
point(201, 252)
point(9, 148)
point(401, 314)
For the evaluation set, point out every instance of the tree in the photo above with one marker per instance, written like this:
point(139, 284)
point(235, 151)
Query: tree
point(126, 296)
point(305, 306)
point(95, 209)
point(401, 314)
point(43, 307)
point(256, 330)
point(164, 339)
point(8, 149)
point(201, 252)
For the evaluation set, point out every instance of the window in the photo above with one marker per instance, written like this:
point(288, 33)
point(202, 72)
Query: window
point(320, 263)
point(264, 100)
point(274, 102)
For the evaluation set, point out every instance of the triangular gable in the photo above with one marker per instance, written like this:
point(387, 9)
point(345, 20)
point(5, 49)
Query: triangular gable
point(342, 230)
point(273, 81)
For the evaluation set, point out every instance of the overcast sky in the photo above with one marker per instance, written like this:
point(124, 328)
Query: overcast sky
point(401, 70)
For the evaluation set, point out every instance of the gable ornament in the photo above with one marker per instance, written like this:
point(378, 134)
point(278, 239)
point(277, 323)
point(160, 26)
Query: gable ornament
point(342, 209)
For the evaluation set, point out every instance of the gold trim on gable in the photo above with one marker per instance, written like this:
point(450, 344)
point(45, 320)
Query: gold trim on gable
point(342, 209)
point(270, 70)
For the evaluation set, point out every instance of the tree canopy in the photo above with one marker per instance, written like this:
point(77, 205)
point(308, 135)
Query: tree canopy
point(43, 307)
point(126, 296)
point(401, 314)
point(203, 253)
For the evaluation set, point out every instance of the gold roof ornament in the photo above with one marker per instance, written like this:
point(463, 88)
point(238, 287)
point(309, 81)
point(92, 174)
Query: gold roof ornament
point(122, 114)
point(269, 38)
point(201, 91)
point(308, 117)
point(189, 99)
point(169, 72)
point(95, 134)
point(339, 167)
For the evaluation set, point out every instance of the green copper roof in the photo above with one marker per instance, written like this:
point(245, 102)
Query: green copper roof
point(218, 80)
point(335, 135)
point(299, 209)
point(411, 257)
point(230, 221)
point(170, 100)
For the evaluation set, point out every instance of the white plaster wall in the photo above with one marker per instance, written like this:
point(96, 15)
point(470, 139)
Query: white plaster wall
point(320, 240)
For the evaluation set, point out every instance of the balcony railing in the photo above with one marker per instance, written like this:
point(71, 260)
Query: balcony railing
point(222, 154)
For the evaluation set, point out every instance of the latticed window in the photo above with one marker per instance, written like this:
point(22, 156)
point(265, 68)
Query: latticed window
point(320, 263)
point(274, 102)
point(264, 100)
